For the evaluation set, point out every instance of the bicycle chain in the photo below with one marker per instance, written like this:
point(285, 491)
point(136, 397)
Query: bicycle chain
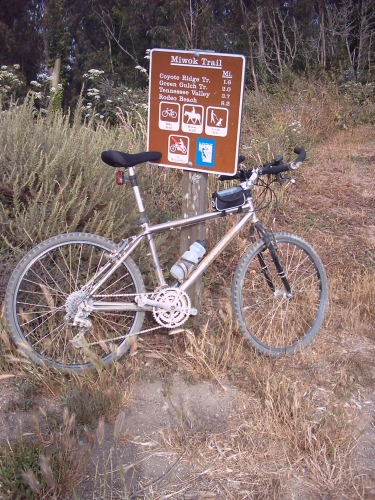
point(123, 294)
point(129, 334)
point(126, 336)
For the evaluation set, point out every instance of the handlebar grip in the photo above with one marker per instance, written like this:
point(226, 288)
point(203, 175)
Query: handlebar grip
point(232, 177)
point(277, 169)
point(274, 169)
point(301, 157)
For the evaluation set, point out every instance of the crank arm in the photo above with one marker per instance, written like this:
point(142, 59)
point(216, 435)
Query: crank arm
point(160, 305)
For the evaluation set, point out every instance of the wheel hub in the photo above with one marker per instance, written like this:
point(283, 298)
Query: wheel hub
point(73, 301)
point(282, 294)
point(78, 309)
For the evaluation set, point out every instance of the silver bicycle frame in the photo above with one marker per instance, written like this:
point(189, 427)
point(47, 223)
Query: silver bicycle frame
point(127, 248)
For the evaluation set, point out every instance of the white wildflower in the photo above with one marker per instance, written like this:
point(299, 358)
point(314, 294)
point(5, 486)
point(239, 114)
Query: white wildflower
point(141, 69)
point(16, 66)
point(4, 67)
point(43, 77)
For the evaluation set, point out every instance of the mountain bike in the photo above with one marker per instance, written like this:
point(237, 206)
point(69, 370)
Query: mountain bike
point(78, 298)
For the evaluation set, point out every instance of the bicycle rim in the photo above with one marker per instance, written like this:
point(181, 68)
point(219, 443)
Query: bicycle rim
point(273, 322)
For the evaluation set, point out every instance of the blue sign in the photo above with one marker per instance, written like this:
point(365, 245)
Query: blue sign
point(205, 152)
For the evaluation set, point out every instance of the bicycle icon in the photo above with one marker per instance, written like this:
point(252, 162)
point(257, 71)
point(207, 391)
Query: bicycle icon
point(169, 113)
point(169, 116)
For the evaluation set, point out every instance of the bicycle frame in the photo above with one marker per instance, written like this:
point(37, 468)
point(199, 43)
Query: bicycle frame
point(126, 249)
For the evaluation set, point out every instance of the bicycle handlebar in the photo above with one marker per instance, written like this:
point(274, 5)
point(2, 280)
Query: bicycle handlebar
point(270, 168)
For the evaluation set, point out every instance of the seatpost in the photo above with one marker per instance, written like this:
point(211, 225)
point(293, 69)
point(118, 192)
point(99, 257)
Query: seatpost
point(137, 194)
point(143, 221)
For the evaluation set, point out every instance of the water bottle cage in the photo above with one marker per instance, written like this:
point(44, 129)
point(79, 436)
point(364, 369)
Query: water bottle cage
point(186, 263)
point(186, 266)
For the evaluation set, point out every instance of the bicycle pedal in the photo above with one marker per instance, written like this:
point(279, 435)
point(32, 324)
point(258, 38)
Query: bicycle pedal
point(193, 311)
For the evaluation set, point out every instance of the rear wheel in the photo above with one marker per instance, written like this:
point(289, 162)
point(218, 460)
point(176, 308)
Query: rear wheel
point(36, 303)
point(273, 321)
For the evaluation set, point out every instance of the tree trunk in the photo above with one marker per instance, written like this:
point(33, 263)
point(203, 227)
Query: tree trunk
point(56, 73)
point(323, 58)
point(251, 53)
point(261, 51)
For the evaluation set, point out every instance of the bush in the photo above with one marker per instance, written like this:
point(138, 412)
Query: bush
point(52, 178)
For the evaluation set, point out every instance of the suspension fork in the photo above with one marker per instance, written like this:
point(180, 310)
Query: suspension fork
point(271, 248)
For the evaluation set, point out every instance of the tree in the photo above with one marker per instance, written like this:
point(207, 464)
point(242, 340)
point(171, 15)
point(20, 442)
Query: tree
point(20, 36)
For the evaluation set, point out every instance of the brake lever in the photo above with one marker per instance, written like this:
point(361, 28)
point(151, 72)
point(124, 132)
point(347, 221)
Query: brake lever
point(280, 179)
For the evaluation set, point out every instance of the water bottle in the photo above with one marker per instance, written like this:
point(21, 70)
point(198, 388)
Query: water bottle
point(185, 264)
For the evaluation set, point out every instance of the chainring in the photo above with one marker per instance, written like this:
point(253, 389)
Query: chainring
point(180, 307)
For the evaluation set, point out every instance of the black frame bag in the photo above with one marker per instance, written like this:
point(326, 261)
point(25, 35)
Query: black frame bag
point(228, 198)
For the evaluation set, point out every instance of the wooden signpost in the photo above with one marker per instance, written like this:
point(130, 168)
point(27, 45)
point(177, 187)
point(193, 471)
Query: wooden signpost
point(194, 119)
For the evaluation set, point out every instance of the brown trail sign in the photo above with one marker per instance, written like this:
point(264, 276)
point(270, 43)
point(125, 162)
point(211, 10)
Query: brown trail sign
point(195, 105)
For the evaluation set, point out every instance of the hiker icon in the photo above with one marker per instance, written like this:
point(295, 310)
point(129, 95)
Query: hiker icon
point(217, 121)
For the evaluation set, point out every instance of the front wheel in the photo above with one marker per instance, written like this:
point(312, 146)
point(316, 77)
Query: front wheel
point(273, 320)
point(36, 303)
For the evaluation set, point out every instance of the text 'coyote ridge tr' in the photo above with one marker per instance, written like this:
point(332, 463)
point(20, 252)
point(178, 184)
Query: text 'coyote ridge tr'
point(195, 105)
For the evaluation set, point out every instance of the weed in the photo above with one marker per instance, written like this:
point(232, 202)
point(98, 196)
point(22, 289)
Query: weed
point(15, 459)
point(50, 466)
point(94, 396)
